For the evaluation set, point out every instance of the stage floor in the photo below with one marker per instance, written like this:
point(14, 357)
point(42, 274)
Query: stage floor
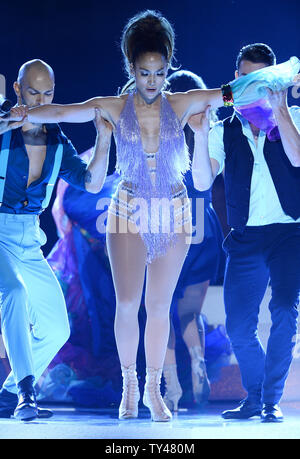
point(70, 423)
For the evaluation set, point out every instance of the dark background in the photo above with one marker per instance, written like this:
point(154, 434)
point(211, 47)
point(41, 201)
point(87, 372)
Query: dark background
point(81, 42)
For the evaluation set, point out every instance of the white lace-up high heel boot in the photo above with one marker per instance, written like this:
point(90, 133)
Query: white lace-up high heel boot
point(201, 386)
point(131, 394)
point(152, 397)
point(173, 388)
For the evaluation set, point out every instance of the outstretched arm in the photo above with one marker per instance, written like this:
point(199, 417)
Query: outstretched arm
point(187, 104)
point(241, 91)
point(199, 99)
point(71, 113)
point(55, 113)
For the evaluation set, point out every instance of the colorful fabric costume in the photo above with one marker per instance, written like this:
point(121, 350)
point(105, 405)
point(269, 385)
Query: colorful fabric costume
point(148, 191)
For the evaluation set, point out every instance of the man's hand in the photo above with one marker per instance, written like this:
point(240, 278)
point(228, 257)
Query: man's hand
point(277, 99)
point(204, 169)
point(289, 134)
point(97, 167)
point(103, 127)
point(200, 122)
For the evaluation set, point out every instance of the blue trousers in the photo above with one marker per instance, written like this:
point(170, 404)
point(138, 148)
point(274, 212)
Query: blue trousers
point(34, 322)
point(255, 257)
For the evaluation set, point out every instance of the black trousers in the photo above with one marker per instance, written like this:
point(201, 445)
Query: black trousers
point(255, 256)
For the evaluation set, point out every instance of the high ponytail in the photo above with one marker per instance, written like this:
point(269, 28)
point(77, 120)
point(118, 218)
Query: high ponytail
point(148, 31)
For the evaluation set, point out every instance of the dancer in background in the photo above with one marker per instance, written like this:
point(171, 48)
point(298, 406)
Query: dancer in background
point(204, 264)
point(152, 158)
point(34, 322)
point(260, 148)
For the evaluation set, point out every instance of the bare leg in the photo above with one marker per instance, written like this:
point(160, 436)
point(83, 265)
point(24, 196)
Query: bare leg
point(192, 329)
point(193, 333)
point(170, 358)
point(173, 390)
point(127, 256)
point(162, 277)
point(189, 307)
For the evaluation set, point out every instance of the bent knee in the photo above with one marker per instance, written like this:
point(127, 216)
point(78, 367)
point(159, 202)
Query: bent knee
point(57, 333)
point(53, 325)
point(287, 299)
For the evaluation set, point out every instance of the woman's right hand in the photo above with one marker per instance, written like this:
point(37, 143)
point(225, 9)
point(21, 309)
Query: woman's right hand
point(14, 119)
point(17, 113)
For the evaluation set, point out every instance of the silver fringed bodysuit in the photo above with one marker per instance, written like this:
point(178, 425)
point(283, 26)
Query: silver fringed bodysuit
point(151, 193)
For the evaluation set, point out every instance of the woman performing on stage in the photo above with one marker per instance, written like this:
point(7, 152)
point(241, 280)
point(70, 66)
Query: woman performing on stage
point(204, 264)
point(151, 158)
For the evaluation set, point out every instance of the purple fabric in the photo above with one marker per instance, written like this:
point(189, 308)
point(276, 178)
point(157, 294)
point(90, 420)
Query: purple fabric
point(172, 161)
point(63, 259)
point(261, 115)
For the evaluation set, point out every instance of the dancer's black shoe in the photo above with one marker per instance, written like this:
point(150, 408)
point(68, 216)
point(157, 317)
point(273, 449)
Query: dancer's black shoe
point(9, 401)
point(247, 409)
point(26, 409)
point(271, 413)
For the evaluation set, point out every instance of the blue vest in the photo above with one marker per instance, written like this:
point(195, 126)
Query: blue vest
point(238, 172)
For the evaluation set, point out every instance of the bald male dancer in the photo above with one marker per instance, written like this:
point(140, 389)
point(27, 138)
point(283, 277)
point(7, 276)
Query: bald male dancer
point(34, 322)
